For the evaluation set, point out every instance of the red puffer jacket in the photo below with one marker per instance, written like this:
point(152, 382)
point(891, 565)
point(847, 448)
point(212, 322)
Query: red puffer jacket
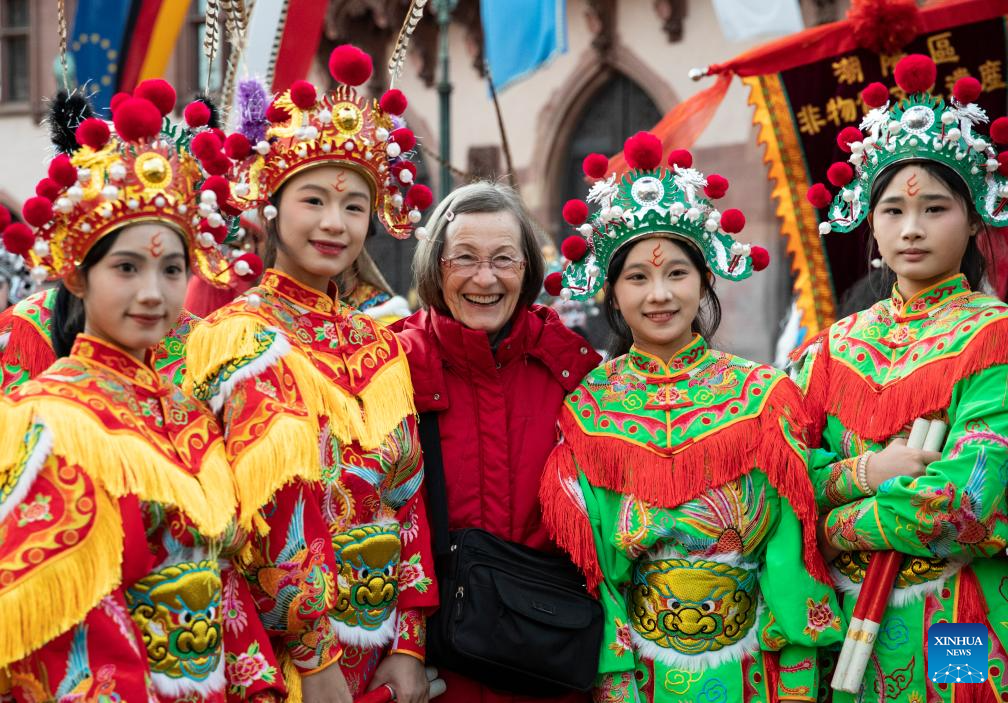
point(497, 420)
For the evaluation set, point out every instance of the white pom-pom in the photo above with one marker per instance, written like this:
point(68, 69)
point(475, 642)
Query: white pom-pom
point(311, 132)
point(397, 201)
point(41, 247)
point(253, 300)
point(415, 216)
point(65, 205)
point(393, 150)
point(406, 176)
point(1003, 190)
point(117, 171)
point(895, 127)
point(262, 147)
point(242, 268)
point(85, 227)
point(204, 209)
point(585, 230)
point(739, 249)
point(324, 116)
point(269, 212)
point(847, 194)
point(948, 118)
point(209, 197)
point(326, 147)
point(75, 193)
point(205, 239)
point(954, 134)
point(605, 214)
point(615, 212)
point(992, 165)
point(566, 293)
point(711, 225)
point(215, 219)
point(421, 233)
point(979, 144)
point(856, 159)
point(593, 270)
point(677, 209)
point(693, 214)
point(83, 175)
point(159, 201)
point(183, 208)
point(857, 147)
point(241, 189)
point(39, 274)
point(825, 228)
point(132, 203)
point(381, 134)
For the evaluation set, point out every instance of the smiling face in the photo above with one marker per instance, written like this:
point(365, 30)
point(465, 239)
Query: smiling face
point(483, 298)
point(922, 229)
point(133, 295)
point(658, 294)
point(323, 217)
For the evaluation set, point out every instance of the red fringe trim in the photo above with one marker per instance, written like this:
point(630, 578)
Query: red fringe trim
point(669, 480)
point(972, 607)
point(564, 520)
point(28, 349)
point(877, 413)
point(818, 383)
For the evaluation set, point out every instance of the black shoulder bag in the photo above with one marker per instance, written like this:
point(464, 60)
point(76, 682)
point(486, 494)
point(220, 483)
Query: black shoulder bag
point(511, 617)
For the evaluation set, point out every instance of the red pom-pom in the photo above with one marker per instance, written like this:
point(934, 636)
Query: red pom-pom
point(884, 26)
point(237, 146)
point(966, 90)
point(846, 136)
point(216, 164)
point(875, 95)
point(716, 187)
point(92, 132)
point(574, 248)
point(419, 197)
point(393, 102)
point(204, 144)
point(303, 94)
point(117, 99)
point(219, 133)
point(575, 212)
point(399, 167)
point(732, 221)
point(137, 119)
point(999, 130)
point(595, 165)
point(5, 218)
point(350, 65)
point(404, 138)
point(915, 73)
point(840, 173)
point(760, 258)
point(18, 238)
point(196, 114)
point(62, 171)
point(642, 151)
point(219, 185)
point(1003, 163)
point(158, 91)
point(48, 189)
point(254, 263)
point(681, 158)
point(553, 283)
point(277, 114)
point(37, 211)
point(219, 233)
point(819, 196)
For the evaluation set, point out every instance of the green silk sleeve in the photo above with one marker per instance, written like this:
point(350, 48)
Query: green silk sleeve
point(957, 508)
point(833, 479)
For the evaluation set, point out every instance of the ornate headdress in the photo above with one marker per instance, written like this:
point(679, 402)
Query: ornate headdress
point(142, 171)
point(301, 129)
point(648, 200)
point(918, 127)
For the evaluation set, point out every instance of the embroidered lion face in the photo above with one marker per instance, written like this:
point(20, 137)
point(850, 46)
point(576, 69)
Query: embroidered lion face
point(178, 611)
point(693, 607)
point(368, 560)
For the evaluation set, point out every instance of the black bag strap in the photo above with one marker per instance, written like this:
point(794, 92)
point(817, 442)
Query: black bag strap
point(437, 495)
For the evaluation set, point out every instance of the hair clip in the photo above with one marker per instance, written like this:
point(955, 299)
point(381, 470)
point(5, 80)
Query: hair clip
point(449, 215)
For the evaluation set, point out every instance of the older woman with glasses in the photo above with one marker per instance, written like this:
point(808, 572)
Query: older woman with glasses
point(493, 366)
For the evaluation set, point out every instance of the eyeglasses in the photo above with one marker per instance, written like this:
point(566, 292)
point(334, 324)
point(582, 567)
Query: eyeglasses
point(502, 265)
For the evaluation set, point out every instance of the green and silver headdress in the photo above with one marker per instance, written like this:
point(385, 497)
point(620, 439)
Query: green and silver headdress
point(919, 127)
point(649, 200)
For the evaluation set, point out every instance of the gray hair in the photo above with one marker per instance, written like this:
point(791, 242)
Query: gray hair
point(481, 196)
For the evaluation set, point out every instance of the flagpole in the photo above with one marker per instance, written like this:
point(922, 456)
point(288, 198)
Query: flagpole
point(444, 9)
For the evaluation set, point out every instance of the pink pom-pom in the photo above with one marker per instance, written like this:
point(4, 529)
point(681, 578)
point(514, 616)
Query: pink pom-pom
point(574, 248)
point(48, 189)
point(303, 94)
point(237, 146)
point(732, 221)
point(137, 119)
point(819, 196)
point(393, 102)
point(62, 171)
point(196, 114)
point(681, 158)
point(966, 90)
point(553, 283)
point(350, 65)
point(575, 212)
point(840, 173)
point(595, 165)
point(846, 136)
point(760, 258)
point(642, 151)
point(419, 197)
point(204, 144)
point(5, 218)
point(37, 211)
point(18, 238)
point(915, 73)
point(404, 138)
point(158, 91)
point(254, 263)
point(875, 95)
point(92, 132)
point(277, 114)
point(716, 187)
point(999, 130)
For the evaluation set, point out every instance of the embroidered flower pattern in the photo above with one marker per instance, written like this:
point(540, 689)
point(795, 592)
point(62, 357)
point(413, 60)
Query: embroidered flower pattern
point(411, 575)
point(246, 668)
point(35, 511)
point(235, 619)
point(623, 643)
point(410, 528)
point(820, 618)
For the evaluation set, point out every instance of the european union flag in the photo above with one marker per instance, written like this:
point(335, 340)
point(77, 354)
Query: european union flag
point(521, 35)
point(96, 43)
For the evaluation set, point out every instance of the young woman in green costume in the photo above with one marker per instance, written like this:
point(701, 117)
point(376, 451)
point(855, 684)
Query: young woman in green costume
point(680, 485)
point(936, 348)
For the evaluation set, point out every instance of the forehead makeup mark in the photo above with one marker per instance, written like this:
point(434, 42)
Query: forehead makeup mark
point(156, 246)
point(912, 186)
point(657, 257)
point(340, 185)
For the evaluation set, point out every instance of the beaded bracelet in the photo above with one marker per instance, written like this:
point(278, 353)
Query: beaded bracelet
point(861, 474)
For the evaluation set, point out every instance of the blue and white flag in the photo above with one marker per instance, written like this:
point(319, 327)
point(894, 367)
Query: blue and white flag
point(519, 36)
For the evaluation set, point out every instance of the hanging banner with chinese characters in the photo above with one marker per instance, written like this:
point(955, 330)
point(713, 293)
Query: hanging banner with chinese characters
point(806, 87)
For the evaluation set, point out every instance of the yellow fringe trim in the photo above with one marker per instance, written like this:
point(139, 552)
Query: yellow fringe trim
point(217, 341)
point(59, 594)
point(126, 464)
point(292, 678)
point(14, 423)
